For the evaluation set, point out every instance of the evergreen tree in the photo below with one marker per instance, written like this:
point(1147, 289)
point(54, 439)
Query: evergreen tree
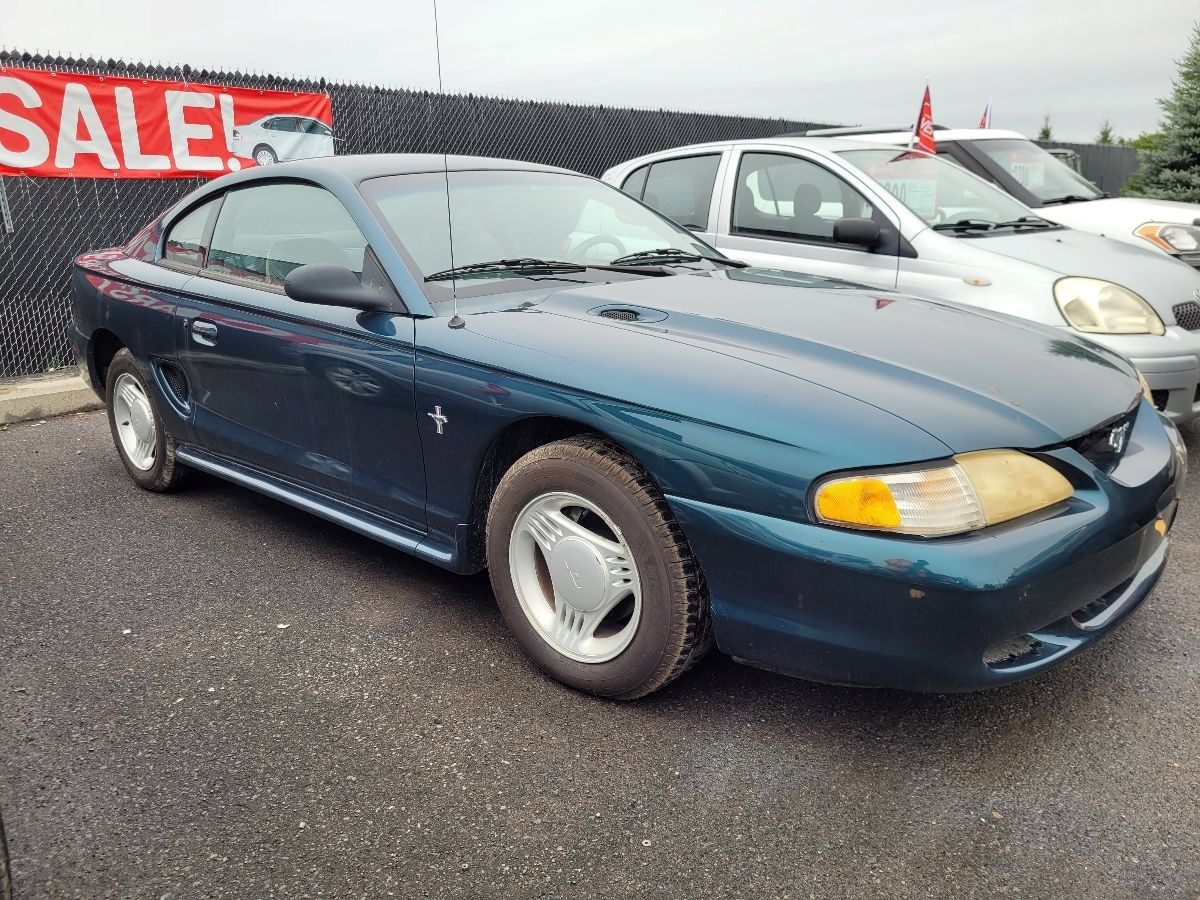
point(1106, 135)
point(1145, 143)
point(1172, 170)
point(1046, 133)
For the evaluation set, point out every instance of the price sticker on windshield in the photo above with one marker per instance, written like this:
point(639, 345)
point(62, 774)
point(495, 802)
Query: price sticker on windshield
point(1028, 170)
point(918, 194)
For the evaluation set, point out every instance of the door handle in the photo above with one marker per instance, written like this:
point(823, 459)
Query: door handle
point(204, 333)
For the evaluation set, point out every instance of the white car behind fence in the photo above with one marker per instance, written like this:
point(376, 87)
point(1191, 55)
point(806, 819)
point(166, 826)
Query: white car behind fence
point(273, 139)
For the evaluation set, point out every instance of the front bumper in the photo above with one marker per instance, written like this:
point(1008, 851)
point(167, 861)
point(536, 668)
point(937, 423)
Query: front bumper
point(1170, 364)
point(954, 614)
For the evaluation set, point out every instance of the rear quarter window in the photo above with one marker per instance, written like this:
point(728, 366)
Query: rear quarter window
point(184, 243)
point(681, 189)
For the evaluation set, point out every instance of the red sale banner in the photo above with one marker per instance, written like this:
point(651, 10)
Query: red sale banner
point(59, 125)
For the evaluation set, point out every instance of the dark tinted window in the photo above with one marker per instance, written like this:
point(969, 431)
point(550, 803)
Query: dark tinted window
point(636, 182)
point(788, 197)
point(283, 123)
point(313, 126)
point(264, 232)
point(183, 245)
point(681, 189)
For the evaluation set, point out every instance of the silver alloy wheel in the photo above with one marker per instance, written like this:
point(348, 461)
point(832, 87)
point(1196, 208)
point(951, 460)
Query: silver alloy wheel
point(264, 157)
point(577, 585)
point(135, 422)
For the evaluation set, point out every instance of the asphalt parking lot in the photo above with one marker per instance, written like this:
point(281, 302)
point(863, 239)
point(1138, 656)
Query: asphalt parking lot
point(211, 694)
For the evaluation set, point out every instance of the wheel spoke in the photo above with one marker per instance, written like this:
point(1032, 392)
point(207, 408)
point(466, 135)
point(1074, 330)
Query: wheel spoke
point(564, 525)
point(571, 626)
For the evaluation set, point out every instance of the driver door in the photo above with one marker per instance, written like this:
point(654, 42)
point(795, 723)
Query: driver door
point(318, 395)
point(779, 209)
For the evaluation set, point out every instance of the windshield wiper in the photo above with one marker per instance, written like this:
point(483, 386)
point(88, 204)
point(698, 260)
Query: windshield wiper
point(521, 264)
point(646, 257)
point(1027, 222)
point(1066, 198)
point(965, 225)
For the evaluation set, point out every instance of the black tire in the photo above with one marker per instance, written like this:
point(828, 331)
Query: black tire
point(270, 152)
point(167, 473)
point(675, 628)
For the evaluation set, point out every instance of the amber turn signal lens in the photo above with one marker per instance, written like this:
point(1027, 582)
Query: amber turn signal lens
point(866, 501)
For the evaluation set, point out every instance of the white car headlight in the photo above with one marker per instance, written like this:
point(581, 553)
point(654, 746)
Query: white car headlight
point(972, 491)
point(1101, 307)
point(1171, 237)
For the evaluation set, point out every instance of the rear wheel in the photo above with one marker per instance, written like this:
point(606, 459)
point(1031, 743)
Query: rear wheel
point(142, 440)
point(592, 573)
point(264, 155)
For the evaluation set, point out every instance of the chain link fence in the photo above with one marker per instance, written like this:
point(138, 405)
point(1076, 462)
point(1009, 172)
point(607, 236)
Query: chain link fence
point(53, 220)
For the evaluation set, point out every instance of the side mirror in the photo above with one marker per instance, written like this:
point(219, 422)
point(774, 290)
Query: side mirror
point(332, 285)
point(860, 232)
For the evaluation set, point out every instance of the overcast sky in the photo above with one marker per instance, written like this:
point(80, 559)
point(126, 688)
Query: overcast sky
point(859, 62)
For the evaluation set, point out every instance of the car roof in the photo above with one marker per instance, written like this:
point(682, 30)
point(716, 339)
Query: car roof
point(826, 144)
point(943, 134)
point(359, 167)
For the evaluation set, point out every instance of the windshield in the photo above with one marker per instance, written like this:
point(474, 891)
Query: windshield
point(509, 216)
point(937, 191)
point(1042, 174)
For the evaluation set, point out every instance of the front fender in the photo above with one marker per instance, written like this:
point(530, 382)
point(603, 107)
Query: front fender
point(688, 454)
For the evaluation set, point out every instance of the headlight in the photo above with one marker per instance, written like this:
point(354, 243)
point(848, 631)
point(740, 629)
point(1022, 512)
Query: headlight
point(1101, 307)
point(1169, 237)
point(973, 491)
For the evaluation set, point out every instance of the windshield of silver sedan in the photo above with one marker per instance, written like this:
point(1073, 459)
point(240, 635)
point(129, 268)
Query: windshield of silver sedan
point(946, 196)
point(497, 230)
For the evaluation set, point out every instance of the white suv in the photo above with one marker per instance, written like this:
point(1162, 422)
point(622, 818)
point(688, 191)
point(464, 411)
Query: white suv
point(909, 221)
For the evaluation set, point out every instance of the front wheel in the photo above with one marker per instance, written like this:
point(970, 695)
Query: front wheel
point(592, 573)
point(265, 156)
point(143, 442)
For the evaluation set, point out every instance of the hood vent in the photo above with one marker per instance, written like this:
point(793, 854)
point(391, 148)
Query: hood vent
point(621, 312)
point(621, 315)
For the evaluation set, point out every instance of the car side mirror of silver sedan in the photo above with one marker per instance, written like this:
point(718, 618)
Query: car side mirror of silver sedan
point(860, 232)
point(329, 284)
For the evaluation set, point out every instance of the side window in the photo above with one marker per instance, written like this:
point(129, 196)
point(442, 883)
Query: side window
point(184, 244)
point(791, 198)
point(636, 182)
point(681, 189)
point(266, 231)
point(314, 126)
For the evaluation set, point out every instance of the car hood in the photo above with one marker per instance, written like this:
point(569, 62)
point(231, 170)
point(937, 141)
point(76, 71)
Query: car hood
point(1120, 213)
point(1161, 280)
point(726, 342)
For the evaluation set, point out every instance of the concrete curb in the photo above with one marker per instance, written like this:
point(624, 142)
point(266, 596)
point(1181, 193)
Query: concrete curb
point(43, 396)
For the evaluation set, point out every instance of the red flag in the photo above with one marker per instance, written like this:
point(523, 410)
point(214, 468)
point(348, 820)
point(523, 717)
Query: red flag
point(923, 133)
point(985, 121)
